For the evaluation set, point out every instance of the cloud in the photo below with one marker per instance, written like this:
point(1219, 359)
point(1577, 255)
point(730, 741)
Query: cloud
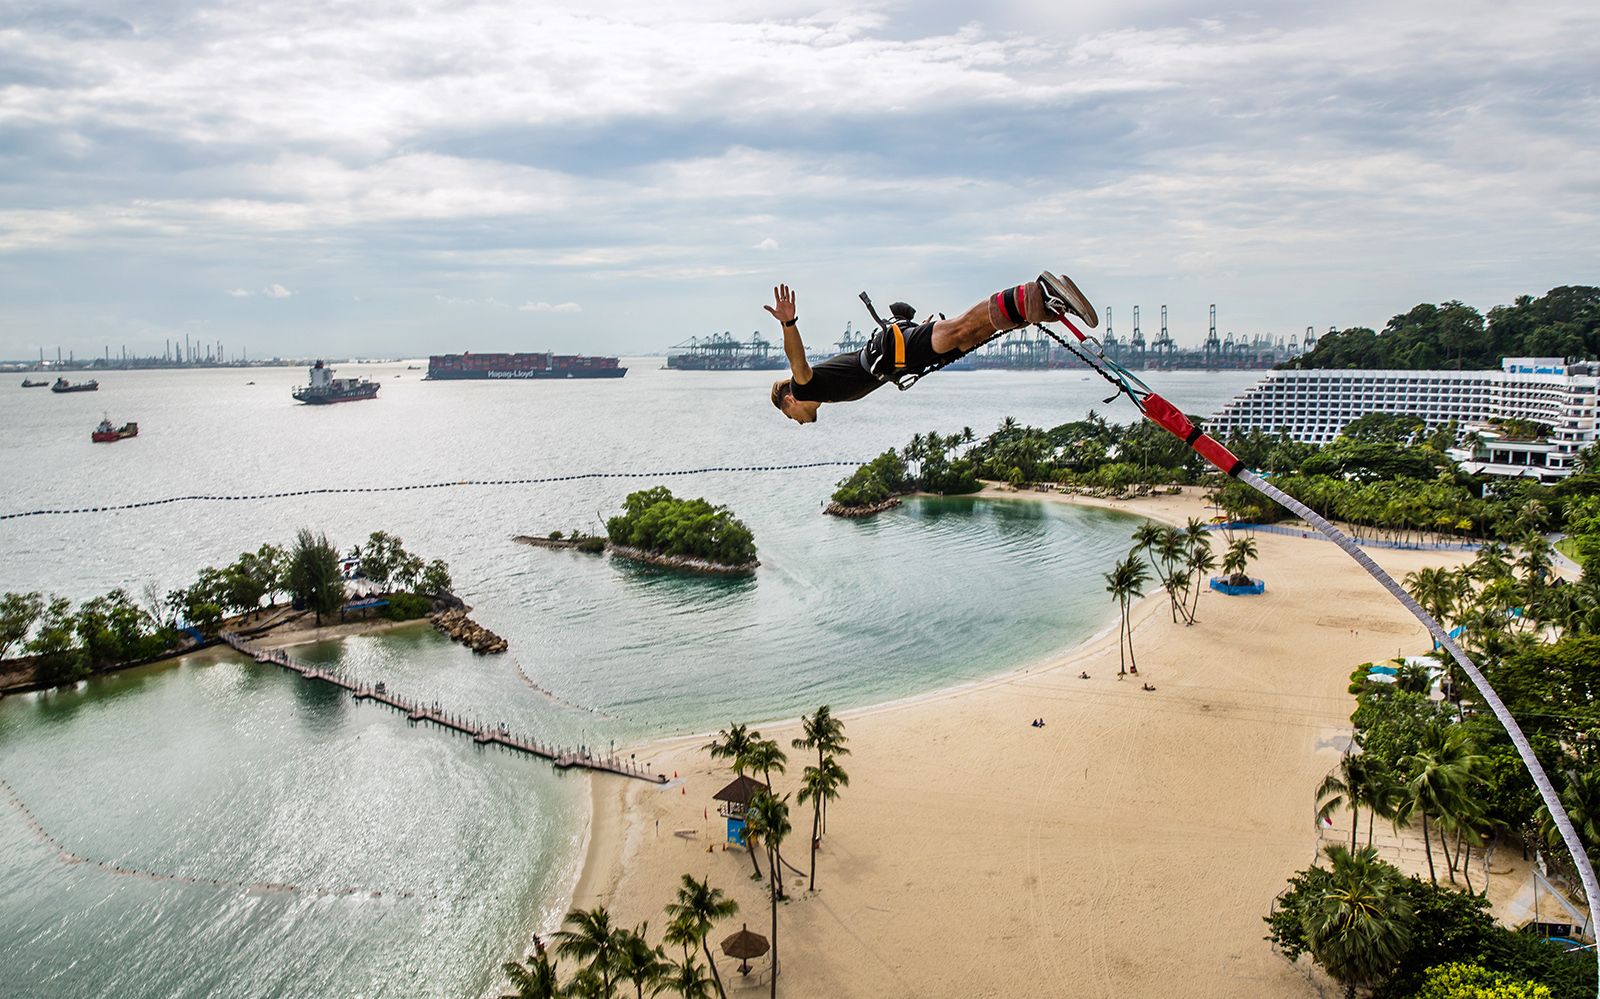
point(1309, 164)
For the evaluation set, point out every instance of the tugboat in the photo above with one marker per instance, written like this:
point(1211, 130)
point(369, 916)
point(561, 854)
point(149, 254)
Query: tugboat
point(30, 383)
point(62, 385)
point(106, 433)
point(325, 388)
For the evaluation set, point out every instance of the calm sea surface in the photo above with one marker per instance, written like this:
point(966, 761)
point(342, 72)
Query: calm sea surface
point(423, 861)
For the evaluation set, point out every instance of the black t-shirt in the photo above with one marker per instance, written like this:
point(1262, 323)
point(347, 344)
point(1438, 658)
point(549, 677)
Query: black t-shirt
point(841, 378)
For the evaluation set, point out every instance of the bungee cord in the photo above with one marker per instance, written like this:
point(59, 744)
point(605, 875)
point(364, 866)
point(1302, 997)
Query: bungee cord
point(454, 484)
point(1171, 419)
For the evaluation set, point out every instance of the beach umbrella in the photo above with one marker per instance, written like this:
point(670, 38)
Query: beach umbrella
point(1381, 678)
point(745, 945)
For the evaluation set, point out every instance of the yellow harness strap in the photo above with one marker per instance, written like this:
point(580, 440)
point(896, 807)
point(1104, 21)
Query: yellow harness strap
point(899, 347)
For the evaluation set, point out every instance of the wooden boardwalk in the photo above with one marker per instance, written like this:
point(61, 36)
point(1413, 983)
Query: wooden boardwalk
point(415, 711)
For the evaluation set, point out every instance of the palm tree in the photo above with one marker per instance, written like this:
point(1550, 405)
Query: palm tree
point(825, 734)
point(1125, 582)
point(1241, 551)
point(731, 744)
point(1436, 778)
point(1435, 589)
point(820, 783)
point(1201, 563)
point(1581, 798)
point(637, 961)
point(688, 980)
point(1345, 786)
point(764, 755)
point(1361, 924)
point(683, 932)
point(535, 979)
point(769, 818)
point(1413, 677)
point(698, 908)
point(591, 940)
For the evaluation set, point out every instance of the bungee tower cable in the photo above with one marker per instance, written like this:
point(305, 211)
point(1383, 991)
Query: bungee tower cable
point(1167, 416)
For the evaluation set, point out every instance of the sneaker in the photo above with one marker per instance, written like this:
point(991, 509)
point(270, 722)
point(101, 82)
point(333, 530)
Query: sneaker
point(1064, 298)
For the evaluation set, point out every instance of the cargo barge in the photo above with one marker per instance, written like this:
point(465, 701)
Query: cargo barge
point(511, 367)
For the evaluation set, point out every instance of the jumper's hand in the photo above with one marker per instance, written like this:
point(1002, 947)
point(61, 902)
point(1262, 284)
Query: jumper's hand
point(782, 307)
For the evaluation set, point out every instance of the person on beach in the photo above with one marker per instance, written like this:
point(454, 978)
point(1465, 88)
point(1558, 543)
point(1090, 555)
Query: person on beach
point(905, 347)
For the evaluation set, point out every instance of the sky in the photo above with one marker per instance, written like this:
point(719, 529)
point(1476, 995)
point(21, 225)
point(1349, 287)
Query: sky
point(375, 178)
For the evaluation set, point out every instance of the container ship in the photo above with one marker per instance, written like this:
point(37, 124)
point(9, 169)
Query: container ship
point(514, 366)
point(325, 388)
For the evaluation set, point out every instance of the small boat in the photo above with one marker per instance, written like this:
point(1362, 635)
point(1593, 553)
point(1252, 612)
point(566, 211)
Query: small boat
point(29, 383)
point(106, 433)
point(62, 385)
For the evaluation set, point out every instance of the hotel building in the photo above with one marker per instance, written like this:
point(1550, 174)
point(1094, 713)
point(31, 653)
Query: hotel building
point(1559, 397)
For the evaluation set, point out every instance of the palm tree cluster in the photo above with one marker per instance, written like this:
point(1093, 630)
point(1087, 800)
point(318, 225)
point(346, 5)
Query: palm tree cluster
point(1372, 928)
point(931, 462)
point(1181, 557)
point(608, 959)
point(767, 822)
point(1435, 787)
point(1506, 593)
point(1447, 769)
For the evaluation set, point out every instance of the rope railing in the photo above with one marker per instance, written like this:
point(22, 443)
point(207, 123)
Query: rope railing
point(454, 484)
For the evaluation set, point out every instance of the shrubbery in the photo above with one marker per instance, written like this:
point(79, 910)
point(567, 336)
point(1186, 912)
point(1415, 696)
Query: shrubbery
point(70, 644)
point(656, 521)
point(406, 607)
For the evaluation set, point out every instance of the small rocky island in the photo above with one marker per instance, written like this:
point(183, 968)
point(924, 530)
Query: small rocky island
point(689, 535)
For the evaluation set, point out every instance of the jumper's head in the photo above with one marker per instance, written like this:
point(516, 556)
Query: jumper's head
point(795, 409)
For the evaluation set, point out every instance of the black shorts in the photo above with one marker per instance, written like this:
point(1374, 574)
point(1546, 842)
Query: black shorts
point(883, 358)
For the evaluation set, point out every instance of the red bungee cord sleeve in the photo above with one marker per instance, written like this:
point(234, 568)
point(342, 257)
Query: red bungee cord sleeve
point(1171, 419)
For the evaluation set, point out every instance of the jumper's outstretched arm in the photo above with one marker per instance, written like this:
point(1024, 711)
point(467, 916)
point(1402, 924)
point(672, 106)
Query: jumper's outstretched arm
point(782, 309)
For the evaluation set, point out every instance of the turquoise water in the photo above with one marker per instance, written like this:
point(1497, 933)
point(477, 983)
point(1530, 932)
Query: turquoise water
point(219, 768)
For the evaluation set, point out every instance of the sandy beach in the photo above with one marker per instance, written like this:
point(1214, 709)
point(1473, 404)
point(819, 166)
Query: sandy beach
point(1129, 848)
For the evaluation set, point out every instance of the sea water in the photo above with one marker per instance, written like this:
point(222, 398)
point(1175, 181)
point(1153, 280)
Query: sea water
point(419, 861)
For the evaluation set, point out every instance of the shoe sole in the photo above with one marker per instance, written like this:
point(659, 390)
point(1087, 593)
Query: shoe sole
point(1076, 302)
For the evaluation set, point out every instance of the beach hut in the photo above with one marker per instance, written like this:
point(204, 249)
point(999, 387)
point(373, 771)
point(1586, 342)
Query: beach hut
point(735, 798)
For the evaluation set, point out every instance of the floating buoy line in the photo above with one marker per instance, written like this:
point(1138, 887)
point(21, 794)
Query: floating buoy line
point(455, 484)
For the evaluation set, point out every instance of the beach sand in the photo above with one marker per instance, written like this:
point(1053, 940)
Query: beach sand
point(1129, 848)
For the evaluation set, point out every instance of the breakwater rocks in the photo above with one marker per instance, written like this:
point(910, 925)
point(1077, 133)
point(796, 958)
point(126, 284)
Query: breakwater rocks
point(590, 544)
point(839, 510)
point(683, 563)
point(468, 632)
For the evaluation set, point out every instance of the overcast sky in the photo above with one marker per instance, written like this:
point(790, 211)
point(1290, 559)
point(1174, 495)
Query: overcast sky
point(386, 178)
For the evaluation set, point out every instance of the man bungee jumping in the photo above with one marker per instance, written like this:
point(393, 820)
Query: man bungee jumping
point(903, 348)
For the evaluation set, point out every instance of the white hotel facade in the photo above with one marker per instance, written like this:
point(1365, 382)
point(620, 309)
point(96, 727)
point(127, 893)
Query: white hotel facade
point(1314, 405)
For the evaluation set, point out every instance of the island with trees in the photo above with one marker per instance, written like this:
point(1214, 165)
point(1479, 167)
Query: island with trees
point(46, 641)
point(657, 527)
